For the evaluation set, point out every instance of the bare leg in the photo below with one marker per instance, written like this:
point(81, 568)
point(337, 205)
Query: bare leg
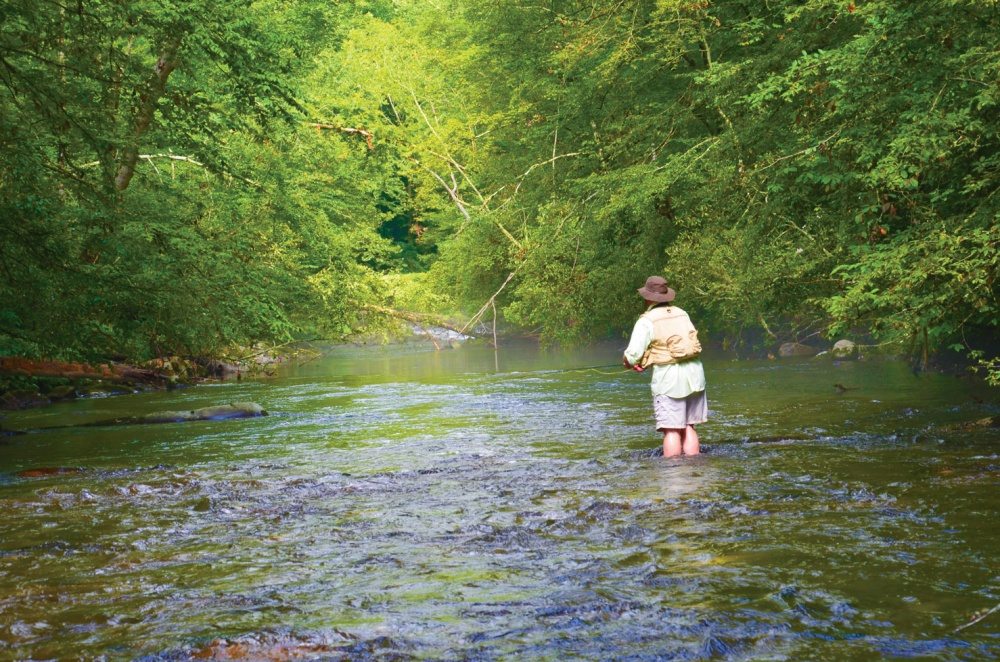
point(692, 445)
point(672, 442)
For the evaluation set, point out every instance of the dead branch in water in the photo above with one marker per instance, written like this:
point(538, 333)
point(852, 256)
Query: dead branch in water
point(489, 302)
point(977, 619)
point(430, 336)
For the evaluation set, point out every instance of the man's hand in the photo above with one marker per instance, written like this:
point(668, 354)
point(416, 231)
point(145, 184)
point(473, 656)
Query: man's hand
point(637, 367)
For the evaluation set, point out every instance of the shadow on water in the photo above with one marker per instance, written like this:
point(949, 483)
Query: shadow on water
point(407, 504)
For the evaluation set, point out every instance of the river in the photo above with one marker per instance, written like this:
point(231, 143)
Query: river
point(404, 502)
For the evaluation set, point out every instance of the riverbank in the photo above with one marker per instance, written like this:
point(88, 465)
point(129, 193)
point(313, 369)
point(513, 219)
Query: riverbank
point(26, 383)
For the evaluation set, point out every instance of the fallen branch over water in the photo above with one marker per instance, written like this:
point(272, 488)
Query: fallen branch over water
point(217, 413)
point(417, 318)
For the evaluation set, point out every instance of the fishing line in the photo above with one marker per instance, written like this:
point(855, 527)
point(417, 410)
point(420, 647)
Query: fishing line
point(599, 369)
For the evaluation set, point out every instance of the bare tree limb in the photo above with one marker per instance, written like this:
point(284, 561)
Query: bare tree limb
point(173, 157)
point(368, 136)
point(462, 206)
point(520, 180)
point(801, 151)
point(452, 193)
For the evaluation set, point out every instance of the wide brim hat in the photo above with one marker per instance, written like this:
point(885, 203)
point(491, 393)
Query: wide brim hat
point(656, 289)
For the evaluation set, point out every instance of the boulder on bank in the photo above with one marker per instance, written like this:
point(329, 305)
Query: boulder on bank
point(791, 349)
point(62, 392)
point(179, 368)
point(33, 368)
point(28, 383)
point(844, 349)
point(23, 398)
point(221, 369)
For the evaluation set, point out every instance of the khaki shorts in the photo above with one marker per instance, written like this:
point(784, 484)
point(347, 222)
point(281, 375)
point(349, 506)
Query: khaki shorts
point(678, 413)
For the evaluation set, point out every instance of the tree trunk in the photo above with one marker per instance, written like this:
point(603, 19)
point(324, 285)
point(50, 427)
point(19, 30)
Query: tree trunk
point(147, 108)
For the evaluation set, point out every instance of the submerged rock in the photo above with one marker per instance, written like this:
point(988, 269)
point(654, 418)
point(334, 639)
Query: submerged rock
point(988, 422)
point(272, 645)
point(217, 413)
point(45, 472)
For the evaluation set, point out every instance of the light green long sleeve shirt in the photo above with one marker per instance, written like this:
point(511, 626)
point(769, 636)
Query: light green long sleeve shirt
point(677, 380)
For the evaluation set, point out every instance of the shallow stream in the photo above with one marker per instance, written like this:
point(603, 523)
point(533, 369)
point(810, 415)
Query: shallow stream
point(405, 502)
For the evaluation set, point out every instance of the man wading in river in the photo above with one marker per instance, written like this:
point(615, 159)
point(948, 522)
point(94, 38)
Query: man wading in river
point(664, 338)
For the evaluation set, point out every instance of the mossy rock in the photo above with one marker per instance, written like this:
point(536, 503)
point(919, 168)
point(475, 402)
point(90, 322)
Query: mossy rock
point(48, 385)
point(63, 392)
point(793, 349)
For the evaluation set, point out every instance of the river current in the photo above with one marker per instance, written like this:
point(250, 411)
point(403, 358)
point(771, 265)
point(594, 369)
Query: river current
point(404, 503)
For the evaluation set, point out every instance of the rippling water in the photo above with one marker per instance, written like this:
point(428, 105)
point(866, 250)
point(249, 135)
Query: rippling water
point(410, 503)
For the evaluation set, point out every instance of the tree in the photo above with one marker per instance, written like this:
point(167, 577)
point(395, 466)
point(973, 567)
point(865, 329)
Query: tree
point(148, 202)
point(791, 166)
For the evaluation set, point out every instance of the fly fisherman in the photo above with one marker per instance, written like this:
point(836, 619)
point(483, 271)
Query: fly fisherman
point(665, 338)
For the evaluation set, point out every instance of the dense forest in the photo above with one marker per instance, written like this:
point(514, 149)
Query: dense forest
point(185, 177)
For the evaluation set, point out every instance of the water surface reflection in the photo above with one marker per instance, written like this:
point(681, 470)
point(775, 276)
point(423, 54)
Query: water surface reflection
point(419, 503)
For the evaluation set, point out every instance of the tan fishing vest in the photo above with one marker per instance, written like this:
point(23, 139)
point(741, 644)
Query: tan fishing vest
point(674, 337)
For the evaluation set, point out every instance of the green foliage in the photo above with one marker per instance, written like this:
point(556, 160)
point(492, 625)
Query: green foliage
point(788, 165)
point(159, 191)
point(411, 292)
point(950, 272)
